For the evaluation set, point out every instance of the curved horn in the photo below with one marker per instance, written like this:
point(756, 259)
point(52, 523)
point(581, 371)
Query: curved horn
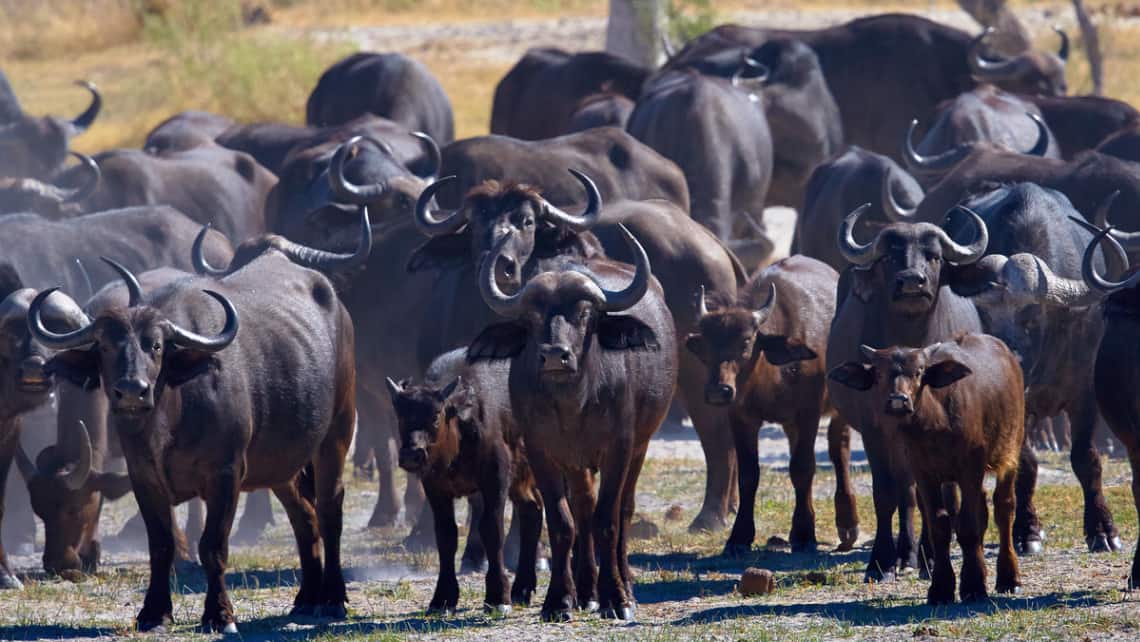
point(1042, 145)
point(184, 338)
point(588, 218)
point(425, 219)
point(394, 389)
point(74, 339)
point(702, 305)
point(627, 298)
point(1088, 270)
point(853, 252)
point(198, 256)
point(76, 478)
point(340, 186)
point(83, 274)
point(988, 69)
point(24, 464)
point(84, 120)
point(891, 208)
point(433, 152)
point(501, 304)
point(765, 311)
point(759, 69)
point(1129, 240)
point(328, 262)
point(965, 254)
point(1100, 218)
point(667, 47)
point(1115, 257)
point(938, 162)
point(1027, 275)
point(1063, 52)
point(134, 290)
point(93, 176)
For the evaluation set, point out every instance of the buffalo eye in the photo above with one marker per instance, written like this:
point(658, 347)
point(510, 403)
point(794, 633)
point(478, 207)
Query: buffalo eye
point(528, 222)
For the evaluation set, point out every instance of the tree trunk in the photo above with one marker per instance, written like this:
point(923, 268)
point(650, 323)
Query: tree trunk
point(635, 29)
point(1010, 36)
point(1091, 42)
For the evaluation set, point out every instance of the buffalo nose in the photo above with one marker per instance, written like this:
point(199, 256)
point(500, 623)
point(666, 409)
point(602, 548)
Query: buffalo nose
point(131, 389)
point(32, 368)
point(898, 404)
point(910, 280)
point(719, 394)
point(556, 359)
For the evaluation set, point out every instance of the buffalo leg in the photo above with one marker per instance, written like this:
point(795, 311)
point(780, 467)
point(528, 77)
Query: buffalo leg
point(628, 505)
point(214, 551)
point(376, 419)
point(942, 579)
point(1008, 576)
point(881, 566)
point(421, 539)
point(157, 610)
point(446, 595)
point(559, 603)
point(613, 600)
point(1026, 525)
point(18, 529)
point(475, 552)
point(583, 503)
point(745, 436)
point(7, 451)
point(908, 548)
point(846, 511)
point(712, 426)
point(801, 440)
point(257, 516)
point(528, 515)
point(972, 521)
point(328, 472)
point(303, 518)
point(1100, 531)
point(1134, 460)
point(195, 522)
point(493, 490)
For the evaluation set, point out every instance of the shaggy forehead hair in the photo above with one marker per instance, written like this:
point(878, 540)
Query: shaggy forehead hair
point(506, 194)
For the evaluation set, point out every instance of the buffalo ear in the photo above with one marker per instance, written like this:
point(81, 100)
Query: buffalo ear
point(183, 364)
point(111, 485)
point(857, 376)
point(620, 332)
point(695, 343)
point(80, 367)
point(944, 373)
point(499, 341)
point(441, 253)
point(781, 351)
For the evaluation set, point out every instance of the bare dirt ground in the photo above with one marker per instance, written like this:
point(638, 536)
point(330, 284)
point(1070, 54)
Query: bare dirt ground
point(685, 589)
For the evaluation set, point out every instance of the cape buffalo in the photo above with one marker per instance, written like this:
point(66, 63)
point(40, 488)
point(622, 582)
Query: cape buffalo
point(186, 130)
point(895, 293)
point(177, 395)
point(36, 147)
point(389, 85)
point(48, 199)
point(539, 96)
point(1081, 123)
point(600, 364)
point(603, 109)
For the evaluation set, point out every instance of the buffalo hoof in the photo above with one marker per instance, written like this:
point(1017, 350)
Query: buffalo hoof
point(468, 567)
point(210, 628)
point(304, 611)
point(441, 611)
point(382, 520)
point(9, 581)
point(419, 542)
point(875, 576)
point(734, 551)
point(805, 546)
point(707, 523)
point(498, 610)
point(158, 628)
point(847, 538)
point(977, 595)
point(590, 606)
point(1029, 548)
point(626, 613)
point(924, 573)
point(1008, 589)
point(1103, 544)
point(557, 616)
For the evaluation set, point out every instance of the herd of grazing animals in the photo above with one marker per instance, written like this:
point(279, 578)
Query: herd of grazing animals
point(510, 316)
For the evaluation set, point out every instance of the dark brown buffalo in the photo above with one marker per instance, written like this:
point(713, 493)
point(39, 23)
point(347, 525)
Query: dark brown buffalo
point(538, 97)
point(1116, 375)
point(600, 364)
point(842, 184)
point(389, 85)
point(258, 423)
point(25, 383)
point(209, 184)
point(686, 255)
point(1080, 123)
point(36, 147)
point(721, 141)
point(958, 412)
point(186, 130)
point(461, 439)
point(888, 69)
point(983, 115)
point(621, 166)
point(30, 195)
point(895, 293)
point(603, 109)
point(764, 352)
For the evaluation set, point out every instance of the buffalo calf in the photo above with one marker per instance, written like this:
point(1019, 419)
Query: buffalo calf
point(959, 411)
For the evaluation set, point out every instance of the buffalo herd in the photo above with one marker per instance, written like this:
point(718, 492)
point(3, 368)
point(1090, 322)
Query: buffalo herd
point(246, 307)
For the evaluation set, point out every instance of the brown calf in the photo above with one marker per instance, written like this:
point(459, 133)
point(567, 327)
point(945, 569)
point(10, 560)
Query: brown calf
point(959, 410)
point(763, 359)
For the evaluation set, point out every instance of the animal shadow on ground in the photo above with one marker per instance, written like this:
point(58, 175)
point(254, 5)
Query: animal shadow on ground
point(53, 632)
point(275, 628)
point(871, 613)
point(772, 559)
